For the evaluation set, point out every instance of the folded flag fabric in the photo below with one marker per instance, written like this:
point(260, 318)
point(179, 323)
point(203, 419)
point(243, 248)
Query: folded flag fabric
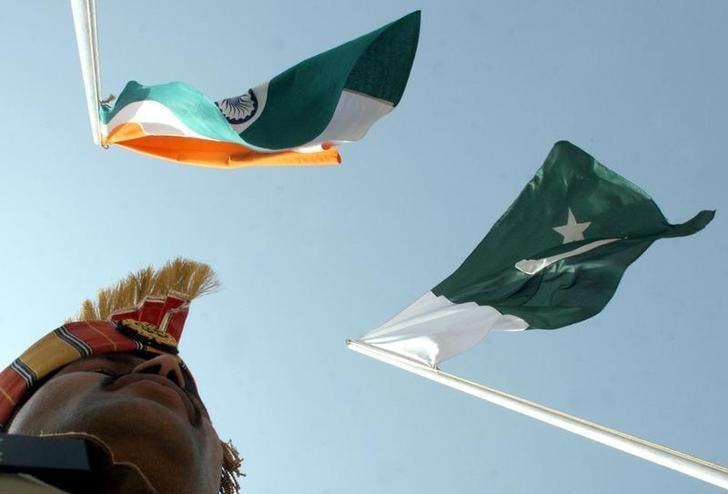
point(554, 258)
point(296, 118)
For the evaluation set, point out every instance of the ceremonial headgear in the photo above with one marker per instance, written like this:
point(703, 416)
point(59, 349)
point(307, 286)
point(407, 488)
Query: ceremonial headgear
point(144, 312)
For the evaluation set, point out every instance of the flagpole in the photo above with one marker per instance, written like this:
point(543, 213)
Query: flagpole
point(656, 453)
point(84, 22)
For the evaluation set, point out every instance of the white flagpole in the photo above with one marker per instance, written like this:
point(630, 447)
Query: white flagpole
point(84, 21)
point(675, 460)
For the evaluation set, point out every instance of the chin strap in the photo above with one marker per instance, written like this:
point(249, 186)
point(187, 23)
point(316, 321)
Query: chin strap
point(72, 462)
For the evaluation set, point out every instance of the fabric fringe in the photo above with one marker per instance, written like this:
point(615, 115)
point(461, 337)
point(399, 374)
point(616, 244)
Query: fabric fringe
point(230, 469)
point(184, 277)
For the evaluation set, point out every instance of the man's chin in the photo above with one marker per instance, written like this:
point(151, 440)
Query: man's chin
point(138, 430)
point(144, 433)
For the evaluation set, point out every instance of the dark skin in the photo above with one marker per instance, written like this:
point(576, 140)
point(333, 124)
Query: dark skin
point(146, 411)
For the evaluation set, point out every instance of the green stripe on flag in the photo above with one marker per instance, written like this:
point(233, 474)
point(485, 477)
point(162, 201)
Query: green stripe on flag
point(302, 100)
point(383, 69)
point(192, 107)
point(572, 201)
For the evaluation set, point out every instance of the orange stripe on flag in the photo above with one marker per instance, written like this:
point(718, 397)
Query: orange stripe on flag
point(124, 132)
point(215, 154)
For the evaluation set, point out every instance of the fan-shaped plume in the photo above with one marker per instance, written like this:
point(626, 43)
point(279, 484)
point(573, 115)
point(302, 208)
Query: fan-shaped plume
point(183, 277)
point(230, 469)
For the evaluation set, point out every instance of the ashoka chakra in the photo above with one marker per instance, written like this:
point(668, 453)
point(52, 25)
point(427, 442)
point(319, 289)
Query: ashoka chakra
point(239, 109)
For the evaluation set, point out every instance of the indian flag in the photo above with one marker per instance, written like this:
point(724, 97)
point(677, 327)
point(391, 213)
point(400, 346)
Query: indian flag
point(554, 258)
point(296, 118)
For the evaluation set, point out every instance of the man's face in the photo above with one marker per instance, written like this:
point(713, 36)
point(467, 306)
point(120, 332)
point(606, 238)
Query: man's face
point(146, 411)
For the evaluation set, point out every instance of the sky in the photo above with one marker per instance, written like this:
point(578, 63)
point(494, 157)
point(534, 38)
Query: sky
point(309, 257)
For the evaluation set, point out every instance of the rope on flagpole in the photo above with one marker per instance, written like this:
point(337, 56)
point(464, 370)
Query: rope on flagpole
point(682, 462)
point(84, 22)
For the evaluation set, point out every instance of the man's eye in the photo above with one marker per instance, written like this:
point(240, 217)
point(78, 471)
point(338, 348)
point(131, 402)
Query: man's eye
point(106, 372)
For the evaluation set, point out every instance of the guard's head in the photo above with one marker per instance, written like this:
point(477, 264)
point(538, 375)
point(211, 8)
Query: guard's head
point(114, 373)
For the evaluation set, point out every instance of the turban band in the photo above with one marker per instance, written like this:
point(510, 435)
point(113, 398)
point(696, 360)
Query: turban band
point(154, 326)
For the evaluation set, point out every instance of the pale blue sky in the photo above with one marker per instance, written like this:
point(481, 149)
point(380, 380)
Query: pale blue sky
point(309, 257)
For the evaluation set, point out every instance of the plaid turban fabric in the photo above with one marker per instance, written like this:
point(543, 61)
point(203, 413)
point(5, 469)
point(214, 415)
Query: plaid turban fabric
point(154, 326)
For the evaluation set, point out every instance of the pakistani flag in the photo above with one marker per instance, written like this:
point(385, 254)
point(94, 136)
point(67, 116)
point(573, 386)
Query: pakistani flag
point(296, 118)
point(554, 258)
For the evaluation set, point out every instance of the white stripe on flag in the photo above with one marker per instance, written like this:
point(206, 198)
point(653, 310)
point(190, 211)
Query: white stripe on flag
point(154, 118)
point(355, 113)
point(433, 329)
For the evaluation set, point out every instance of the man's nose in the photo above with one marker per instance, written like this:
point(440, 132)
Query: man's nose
point(163, 365)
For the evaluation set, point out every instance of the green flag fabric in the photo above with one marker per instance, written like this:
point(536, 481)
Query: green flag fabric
point(299, 104)
point(554, 258)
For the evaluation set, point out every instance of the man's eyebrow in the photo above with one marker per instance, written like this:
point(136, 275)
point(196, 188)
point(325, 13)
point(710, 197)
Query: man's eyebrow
point(120, 357)
point(117, 358)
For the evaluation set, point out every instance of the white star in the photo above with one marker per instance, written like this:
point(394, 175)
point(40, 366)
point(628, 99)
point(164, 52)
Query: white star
point(572, 231)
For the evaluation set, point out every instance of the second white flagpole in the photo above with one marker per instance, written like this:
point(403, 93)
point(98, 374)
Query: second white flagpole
point(656, 453)
point(84, 22)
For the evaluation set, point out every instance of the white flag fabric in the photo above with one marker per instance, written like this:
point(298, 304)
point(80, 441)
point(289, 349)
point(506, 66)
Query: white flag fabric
point(433, 329)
